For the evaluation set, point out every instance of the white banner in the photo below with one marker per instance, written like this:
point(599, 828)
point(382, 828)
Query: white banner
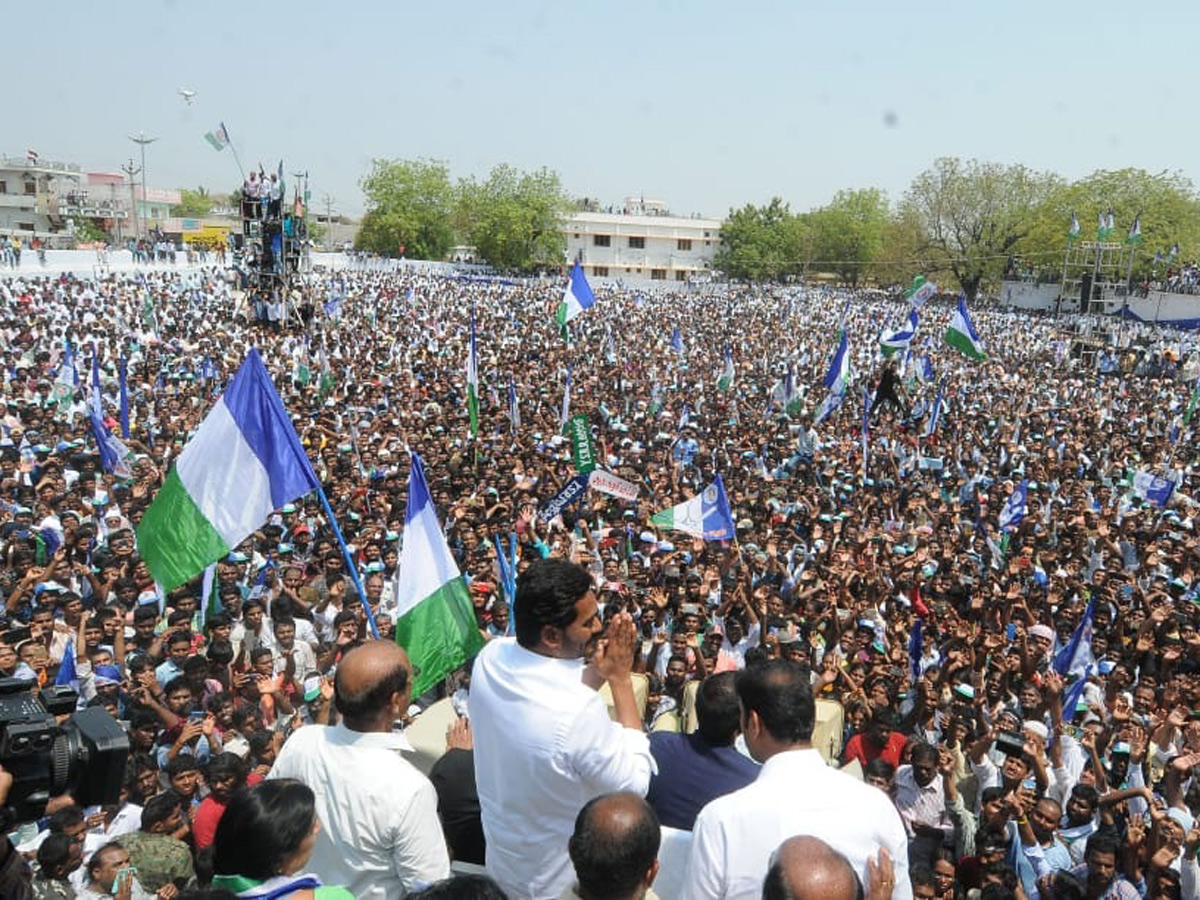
point(608, 483)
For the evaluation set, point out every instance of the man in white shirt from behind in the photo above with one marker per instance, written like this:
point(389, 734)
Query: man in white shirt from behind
point(544, 742)
point(796, 793)
point(378, 814)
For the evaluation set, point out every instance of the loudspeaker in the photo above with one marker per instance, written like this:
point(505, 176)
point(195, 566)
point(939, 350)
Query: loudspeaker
point(1085, 293)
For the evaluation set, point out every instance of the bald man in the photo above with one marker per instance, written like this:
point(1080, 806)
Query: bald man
point(378, 813)
point(614, 849)
point(807, 868)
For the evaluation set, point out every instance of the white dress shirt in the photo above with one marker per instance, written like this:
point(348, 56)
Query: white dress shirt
point(795, 793)
point(544, 746)
point(378, 814)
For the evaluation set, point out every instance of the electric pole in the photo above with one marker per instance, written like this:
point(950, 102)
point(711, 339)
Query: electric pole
point(141, 140)
point(131, 170)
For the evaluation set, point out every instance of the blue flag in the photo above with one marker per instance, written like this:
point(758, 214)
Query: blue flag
point(514, 411)
point(936, 414)
point(66, 671)
point(114, 455)
point(915, 649)
point(1014, 510)
point(1076, 658)
point(122, 375)
point(677, 341)
point(96, 400)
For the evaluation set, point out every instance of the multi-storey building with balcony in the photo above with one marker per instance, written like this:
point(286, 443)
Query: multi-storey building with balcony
point(642, 240)
point(32, 192)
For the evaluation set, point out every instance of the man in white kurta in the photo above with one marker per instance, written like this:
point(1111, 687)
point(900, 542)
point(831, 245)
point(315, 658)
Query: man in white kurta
point(544, 742)
point(796, 793)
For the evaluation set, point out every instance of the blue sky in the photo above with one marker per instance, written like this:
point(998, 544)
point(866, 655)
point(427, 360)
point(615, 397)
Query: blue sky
point(705, 105)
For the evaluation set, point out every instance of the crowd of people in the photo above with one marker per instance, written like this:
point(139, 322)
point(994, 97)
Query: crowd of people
point(1008, 694)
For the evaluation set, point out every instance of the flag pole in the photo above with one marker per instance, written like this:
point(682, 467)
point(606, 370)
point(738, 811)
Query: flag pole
point(337, 533)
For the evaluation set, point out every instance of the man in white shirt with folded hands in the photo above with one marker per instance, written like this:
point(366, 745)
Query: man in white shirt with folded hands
point(544, 742)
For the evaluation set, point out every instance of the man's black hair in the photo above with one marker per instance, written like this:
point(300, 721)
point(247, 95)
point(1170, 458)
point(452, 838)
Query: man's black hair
point(717, 709)
point(780, 693)
point(547, 592)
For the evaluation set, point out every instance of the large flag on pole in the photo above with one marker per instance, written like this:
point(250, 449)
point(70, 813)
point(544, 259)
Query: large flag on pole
point(577, 297)
point(836, 379)
point(725, 381)
point(218, 138)
point(1135, 231)
point(244, 461)
point(891, 342)
point(1073, 228)
point(435, 622)
point(707, 515)
point(473, 381)
point(962, 336)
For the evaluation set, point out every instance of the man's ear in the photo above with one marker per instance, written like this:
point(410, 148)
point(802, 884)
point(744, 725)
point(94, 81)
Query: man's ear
point(551, 637)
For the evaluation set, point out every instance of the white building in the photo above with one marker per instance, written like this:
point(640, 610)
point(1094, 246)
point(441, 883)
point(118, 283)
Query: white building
point(31, 190)
point(642, 241)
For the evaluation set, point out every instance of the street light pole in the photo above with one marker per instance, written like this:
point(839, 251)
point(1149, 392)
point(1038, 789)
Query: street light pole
point(131, 170)
point(328, 221)
point(141, 140)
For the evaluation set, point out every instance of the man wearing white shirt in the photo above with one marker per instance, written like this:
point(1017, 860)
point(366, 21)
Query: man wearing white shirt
point(545, 744)
point(379, 822)
point(795, 793)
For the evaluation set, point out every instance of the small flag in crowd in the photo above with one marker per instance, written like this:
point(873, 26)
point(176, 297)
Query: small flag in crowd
point(894, 341)
point(961, 335)
point(514, 411)
point(435, 622)
point(920, 291)
point(1014, 508)
point(122, 375)
point(866, 427)
point(244, 461)
point(114, 455)
point(1193, 402)
point(935, 414)
point(915, 650)
point(218, 138)
point(1076, 659)
point(473, 381)
point(706, 516)
point(96, 399)
point(1153, 487)
point(725, 381)
point(67, 674)
point(577, 297)
point(925, 369)
point(836, 380)
point(677, 341)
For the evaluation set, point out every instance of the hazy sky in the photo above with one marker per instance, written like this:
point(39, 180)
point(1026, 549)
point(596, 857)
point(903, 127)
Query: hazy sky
point(705, 105)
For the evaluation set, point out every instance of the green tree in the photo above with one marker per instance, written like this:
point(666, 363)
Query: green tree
point(848, 233)
point(193, 204)
point(409, 202)
point(763, 242)
point(514, 218)
point(900, 245)
point(973, 215)
point(1166, 203)
point(87, 231)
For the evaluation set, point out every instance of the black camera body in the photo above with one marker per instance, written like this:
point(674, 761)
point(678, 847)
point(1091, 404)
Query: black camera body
point(84, 756)
point(1010, 743)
